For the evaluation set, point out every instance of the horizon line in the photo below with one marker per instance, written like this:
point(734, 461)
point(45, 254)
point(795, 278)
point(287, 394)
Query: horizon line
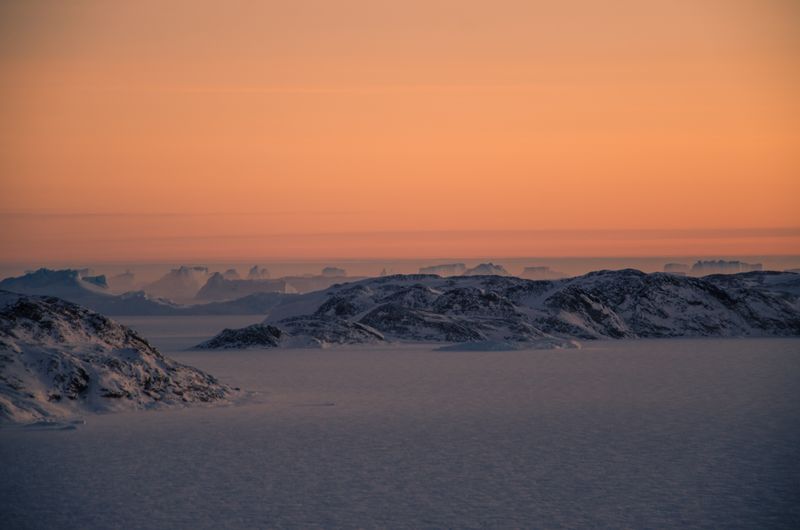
point(295, 260)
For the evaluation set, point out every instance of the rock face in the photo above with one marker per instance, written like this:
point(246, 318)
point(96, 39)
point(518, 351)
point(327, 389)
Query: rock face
point(58, 360)
point(604, 304)
point(311, 331)
point(257, 335)
point(303, 332)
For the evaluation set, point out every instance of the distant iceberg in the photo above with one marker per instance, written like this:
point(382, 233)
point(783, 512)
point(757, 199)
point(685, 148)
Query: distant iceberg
point(487, 269)
point(445, 269)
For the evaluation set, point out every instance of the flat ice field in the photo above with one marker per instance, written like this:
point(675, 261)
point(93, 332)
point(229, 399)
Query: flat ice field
point(619, 434)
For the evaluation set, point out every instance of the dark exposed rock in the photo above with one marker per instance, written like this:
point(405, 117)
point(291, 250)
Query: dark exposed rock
point(257, 335)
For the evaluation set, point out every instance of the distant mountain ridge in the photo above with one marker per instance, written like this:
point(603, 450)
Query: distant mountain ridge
point(69, 285)
point(604, 304)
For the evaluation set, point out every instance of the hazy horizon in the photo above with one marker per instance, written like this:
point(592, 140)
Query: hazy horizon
point(571, 266)
point(97, 237)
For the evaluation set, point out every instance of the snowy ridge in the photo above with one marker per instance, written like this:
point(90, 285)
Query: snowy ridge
point(58, 360)
point(499, 309)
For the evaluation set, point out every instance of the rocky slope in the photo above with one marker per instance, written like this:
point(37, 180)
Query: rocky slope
point(604, 304)
point(58, 360)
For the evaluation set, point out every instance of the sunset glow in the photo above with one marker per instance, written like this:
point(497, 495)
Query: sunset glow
point(200, 129)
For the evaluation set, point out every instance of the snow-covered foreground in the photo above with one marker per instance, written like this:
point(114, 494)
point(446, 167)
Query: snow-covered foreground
point(636, 433)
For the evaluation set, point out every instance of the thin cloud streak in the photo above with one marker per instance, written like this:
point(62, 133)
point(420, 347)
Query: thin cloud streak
point(572, 234)
point(362, 89)
point(94, 215)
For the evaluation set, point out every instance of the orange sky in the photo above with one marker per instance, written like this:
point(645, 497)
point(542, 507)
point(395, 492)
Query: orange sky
point(209, 129)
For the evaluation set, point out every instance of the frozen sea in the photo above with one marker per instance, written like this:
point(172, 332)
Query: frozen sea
point(619, 434)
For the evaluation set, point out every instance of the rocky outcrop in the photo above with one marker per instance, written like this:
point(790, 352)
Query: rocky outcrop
point(59, 360)
point(603, 304)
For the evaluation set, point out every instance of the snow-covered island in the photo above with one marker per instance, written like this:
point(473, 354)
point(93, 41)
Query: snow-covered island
point(501, 309)
point(59, 360)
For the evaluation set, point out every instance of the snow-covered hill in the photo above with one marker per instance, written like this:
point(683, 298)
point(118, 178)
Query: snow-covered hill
point(603, 304)
point(58, 360)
